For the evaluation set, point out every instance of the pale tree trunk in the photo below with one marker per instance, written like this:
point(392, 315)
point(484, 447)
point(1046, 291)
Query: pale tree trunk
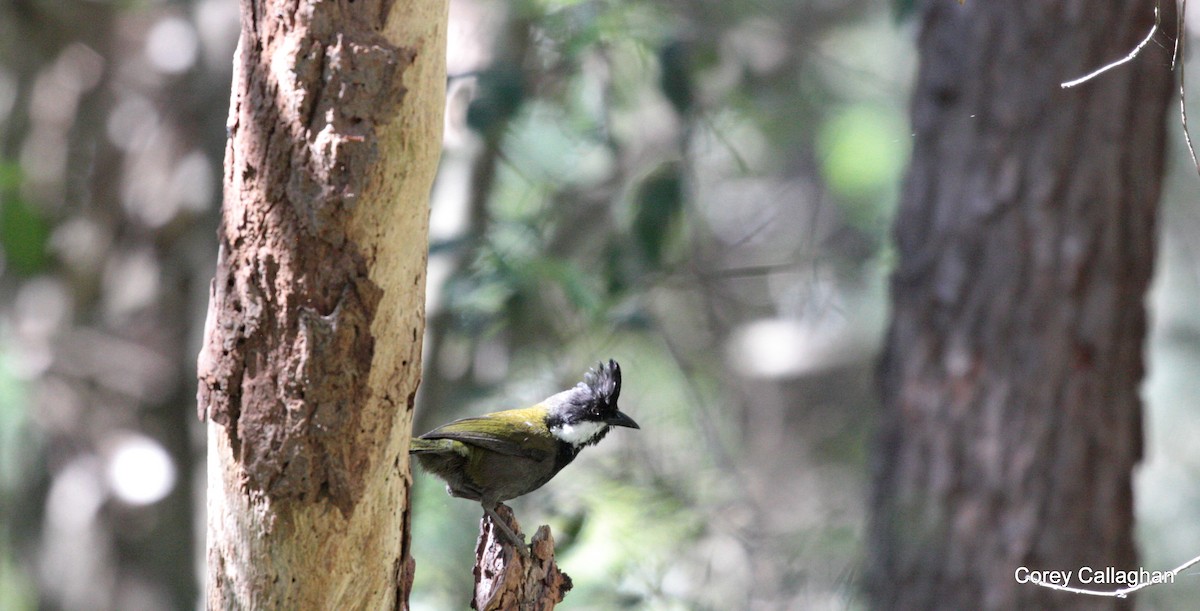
point(312, 346)
point(1025, 241)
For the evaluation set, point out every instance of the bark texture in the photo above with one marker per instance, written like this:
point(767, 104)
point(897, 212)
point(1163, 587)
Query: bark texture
point(312, 346)
point(505, 580)
point(1011, 420)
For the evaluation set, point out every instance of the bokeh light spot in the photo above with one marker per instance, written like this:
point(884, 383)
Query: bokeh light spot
point(140, 471)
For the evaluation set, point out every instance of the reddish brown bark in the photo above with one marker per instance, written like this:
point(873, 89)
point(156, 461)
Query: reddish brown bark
point(1011, 420)
point(505, 579)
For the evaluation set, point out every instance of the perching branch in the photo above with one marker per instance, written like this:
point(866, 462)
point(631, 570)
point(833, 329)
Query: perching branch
point(505, 579)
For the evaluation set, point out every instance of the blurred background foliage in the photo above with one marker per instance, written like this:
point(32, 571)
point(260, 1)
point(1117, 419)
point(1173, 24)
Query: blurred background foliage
point(701, 190)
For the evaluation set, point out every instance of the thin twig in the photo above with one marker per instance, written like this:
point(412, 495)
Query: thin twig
point(1180, 42)
point(1123, 592)
point(1178, 32)
point(1127, 58)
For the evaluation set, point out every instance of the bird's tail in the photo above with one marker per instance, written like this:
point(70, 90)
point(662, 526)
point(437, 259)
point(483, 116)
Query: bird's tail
point(433, 446)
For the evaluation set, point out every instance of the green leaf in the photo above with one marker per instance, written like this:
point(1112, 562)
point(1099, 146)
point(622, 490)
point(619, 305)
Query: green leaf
point(499, 94)
point(658, 207)
point(675, 77)
point(862, 153)
point(573, 282)
point(23, 230)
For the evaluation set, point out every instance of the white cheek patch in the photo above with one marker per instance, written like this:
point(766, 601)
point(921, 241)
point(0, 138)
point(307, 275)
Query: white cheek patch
point(576, 434)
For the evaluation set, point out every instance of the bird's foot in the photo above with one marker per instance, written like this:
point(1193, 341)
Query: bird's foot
point(516, 540)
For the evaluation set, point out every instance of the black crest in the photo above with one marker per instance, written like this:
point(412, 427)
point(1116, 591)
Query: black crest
point(603, 383)
point(595, 398)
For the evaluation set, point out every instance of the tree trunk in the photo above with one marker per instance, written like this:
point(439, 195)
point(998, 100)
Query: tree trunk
point(312, 346)
point(1025, 237)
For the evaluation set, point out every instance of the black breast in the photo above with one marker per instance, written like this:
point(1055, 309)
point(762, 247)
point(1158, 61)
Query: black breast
point(564, 455)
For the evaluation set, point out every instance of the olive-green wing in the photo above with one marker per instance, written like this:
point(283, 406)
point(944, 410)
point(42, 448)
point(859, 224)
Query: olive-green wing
point(503, 437)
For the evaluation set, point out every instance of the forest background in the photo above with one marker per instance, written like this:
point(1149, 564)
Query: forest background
point(702, 191)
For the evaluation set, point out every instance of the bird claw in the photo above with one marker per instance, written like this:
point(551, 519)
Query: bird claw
point(507, 533)
point(516, 540)
point(523, 549)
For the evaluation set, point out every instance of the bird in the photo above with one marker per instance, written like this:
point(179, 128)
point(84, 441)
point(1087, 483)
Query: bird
point(503, 455)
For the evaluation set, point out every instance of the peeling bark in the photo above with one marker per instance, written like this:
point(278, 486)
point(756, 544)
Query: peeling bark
point(313, 339)
point(505, 579)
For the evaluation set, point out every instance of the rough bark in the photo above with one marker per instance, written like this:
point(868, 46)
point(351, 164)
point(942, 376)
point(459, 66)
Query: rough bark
point(1025, 237)
point(312, 346)
point(505, 580)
